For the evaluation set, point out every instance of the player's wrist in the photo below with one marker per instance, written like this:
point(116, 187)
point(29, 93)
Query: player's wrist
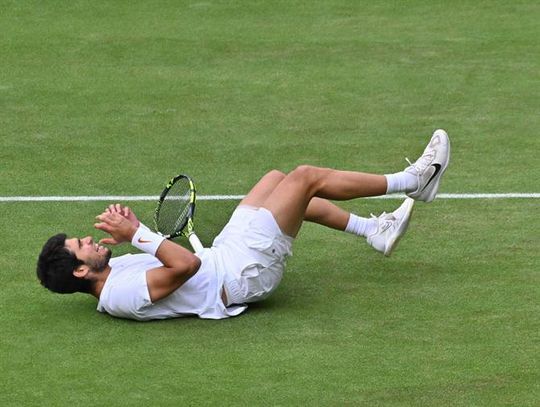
point(130, 233)
point(146, 240)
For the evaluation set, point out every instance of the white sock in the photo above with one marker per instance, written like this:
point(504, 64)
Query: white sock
point(401, 182)
point(361, 226)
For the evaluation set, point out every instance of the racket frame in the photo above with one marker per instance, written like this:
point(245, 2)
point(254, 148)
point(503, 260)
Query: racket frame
point(186, 229)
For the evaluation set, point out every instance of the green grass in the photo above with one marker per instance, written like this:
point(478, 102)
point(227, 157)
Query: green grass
point(107, 97)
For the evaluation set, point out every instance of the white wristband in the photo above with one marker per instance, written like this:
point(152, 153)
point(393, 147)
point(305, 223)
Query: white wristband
point(146, 240)
point(142, 225)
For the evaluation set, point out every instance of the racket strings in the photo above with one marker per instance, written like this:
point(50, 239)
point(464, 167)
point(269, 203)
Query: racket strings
point(175, 208)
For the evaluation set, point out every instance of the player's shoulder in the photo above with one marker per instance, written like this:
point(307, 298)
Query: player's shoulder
point(136, 259)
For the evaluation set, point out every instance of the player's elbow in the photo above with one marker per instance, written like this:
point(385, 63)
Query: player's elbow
point(189, 267)
point(194, 264)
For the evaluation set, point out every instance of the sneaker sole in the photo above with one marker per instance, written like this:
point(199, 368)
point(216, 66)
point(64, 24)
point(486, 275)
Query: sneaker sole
point(435, 188)
point(402, 228)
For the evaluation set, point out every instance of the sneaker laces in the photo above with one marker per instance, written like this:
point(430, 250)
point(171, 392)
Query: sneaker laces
point(422, 163)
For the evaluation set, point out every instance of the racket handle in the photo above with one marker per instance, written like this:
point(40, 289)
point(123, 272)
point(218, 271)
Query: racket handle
point(195, 243)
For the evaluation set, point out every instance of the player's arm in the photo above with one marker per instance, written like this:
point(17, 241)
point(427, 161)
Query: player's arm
point(179, 264)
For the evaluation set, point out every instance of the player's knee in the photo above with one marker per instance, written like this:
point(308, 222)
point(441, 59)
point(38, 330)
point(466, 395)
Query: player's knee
point(307, 174)
point(305, 170)
point(276, 175)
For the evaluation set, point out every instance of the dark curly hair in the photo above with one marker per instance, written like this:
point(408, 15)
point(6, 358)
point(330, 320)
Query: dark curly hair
point(55, 268)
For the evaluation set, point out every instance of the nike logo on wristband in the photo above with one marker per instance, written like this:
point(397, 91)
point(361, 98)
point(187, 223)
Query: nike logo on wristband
point(141, 240)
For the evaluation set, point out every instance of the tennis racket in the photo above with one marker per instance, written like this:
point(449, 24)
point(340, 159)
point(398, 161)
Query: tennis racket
point(175, 210)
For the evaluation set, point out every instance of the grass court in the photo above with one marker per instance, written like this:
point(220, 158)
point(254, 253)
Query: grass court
point(114, 98)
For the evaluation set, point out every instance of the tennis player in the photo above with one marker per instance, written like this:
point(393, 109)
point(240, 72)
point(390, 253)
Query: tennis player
point(247, 259)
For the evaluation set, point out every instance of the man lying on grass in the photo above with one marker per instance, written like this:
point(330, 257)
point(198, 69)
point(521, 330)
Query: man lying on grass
point(247, 259)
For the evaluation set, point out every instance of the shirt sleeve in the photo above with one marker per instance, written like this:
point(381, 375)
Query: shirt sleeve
point(126, 300)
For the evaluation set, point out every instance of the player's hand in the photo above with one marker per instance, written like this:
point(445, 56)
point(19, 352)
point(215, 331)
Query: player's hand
point(119, 227)
point(124, 211)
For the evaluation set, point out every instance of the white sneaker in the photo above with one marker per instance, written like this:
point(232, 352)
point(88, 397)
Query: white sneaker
point(430, 167)
point(391, 227)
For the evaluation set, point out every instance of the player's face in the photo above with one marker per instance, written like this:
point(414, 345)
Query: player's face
point(95, 256)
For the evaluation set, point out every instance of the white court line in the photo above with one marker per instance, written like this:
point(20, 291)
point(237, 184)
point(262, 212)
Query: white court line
point(124, 198)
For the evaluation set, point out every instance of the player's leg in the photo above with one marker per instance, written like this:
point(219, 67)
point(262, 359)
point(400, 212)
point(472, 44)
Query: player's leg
point(290, 199)
point(319, 210)
point(263, 188)
point(304, 188)
point(326, 213)
point(382, 232)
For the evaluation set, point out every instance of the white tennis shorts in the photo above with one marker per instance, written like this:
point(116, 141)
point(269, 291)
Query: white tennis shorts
point(252, 251)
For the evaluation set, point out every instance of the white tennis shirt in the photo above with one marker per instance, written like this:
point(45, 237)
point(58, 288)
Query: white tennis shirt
point(125, 293)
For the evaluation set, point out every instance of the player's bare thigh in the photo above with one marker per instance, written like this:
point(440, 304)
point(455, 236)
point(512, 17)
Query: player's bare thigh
point(262, 190)
point(289, 200)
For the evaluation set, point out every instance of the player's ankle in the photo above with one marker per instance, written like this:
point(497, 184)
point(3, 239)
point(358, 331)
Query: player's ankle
point(401, 182)
point(360, 226)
